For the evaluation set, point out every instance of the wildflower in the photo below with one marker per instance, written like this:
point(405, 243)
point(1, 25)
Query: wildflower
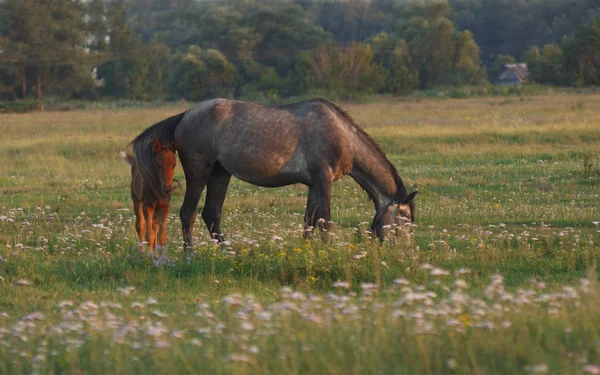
point(238, 357)
point(297, 295)
point(63, 304)
point(161, 344)
point(34, 316)
point(159, 314)
point(538, 369)
point(451, 363)
point(439, 272)
point(460, 284)
point(361, 255)
point(591, 369)
point(341, 284)
point(126, 291)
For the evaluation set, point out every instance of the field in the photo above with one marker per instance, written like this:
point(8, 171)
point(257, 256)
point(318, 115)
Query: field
point(501, 276)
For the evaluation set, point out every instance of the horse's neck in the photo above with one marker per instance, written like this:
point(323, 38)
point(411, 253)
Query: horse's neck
point(376, 175)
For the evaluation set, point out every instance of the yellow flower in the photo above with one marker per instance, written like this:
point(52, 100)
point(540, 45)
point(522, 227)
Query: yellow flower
point(298, 250)
point(465, 319)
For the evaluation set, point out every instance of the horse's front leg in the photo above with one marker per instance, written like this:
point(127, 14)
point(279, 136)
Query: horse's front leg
point(310, 214)
point(216, 190)
point(318, 205)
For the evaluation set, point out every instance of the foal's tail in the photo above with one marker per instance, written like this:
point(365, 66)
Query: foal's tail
point(144, 155)
point(127, 157)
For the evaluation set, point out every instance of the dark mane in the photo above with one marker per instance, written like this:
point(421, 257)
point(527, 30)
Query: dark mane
point(401, 192)
point(143, 153)
point(163, 130)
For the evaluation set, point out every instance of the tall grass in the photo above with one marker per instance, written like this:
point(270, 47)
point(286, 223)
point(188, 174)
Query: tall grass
point(500, 276)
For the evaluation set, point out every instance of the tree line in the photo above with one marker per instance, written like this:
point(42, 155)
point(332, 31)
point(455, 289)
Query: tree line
point(171, 49)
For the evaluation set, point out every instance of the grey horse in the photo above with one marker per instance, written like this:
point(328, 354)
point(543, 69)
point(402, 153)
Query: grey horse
point(312, 142)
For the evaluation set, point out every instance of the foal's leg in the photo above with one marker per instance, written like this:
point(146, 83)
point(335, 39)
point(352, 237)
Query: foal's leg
point(163, 212)
point(216, 189)
point(150, 230)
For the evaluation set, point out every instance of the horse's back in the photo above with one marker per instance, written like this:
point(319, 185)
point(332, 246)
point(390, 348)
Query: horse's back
point(266, 144)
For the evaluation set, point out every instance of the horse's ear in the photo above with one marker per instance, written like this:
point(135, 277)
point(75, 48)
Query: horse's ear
point(175, 145)
point(410, 197)
point(156, 145)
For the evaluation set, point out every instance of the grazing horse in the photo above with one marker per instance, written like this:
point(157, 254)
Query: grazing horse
point(311, 142)
point(151, 205)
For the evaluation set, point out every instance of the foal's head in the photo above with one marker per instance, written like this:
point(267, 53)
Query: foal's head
point(396, 217)
point(165, 162)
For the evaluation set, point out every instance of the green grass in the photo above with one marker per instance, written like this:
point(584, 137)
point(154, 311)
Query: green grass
point(507, 189)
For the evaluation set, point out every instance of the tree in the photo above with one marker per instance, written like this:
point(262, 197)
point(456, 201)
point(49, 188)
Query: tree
point(442, 55)
point(350, 70)
point(200, 74)
point(46, 41)
point(545, 66)
point(581, 55)
point(127, 60)
point(395, 56)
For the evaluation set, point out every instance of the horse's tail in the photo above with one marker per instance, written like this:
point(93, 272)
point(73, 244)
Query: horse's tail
point(127, 157)
point(144, 155)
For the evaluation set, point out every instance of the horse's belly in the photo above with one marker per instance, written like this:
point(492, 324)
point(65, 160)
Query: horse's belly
point(269, 172)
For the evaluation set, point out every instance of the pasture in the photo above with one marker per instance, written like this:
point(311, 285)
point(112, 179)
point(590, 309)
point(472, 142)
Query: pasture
point(501, 276)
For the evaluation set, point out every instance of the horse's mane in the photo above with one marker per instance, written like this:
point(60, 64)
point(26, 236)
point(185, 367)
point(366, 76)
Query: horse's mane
point(401, 193)
point(144, 155)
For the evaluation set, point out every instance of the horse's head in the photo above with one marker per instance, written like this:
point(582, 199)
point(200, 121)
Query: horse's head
point(396, 217)
point(166, 162)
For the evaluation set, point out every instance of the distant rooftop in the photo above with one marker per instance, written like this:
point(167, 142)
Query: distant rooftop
point(520, 70)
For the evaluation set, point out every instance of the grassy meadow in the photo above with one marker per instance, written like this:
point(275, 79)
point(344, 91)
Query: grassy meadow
point(500, 277)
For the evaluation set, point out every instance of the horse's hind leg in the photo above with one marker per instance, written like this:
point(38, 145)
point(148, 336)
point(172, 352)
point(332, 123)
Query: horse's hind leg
point(194, 186)
point(216, 189)
point(140, 223)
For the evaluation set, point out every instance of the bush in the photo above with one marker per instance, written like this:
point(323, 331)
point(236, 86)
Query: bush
point(20, 106)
